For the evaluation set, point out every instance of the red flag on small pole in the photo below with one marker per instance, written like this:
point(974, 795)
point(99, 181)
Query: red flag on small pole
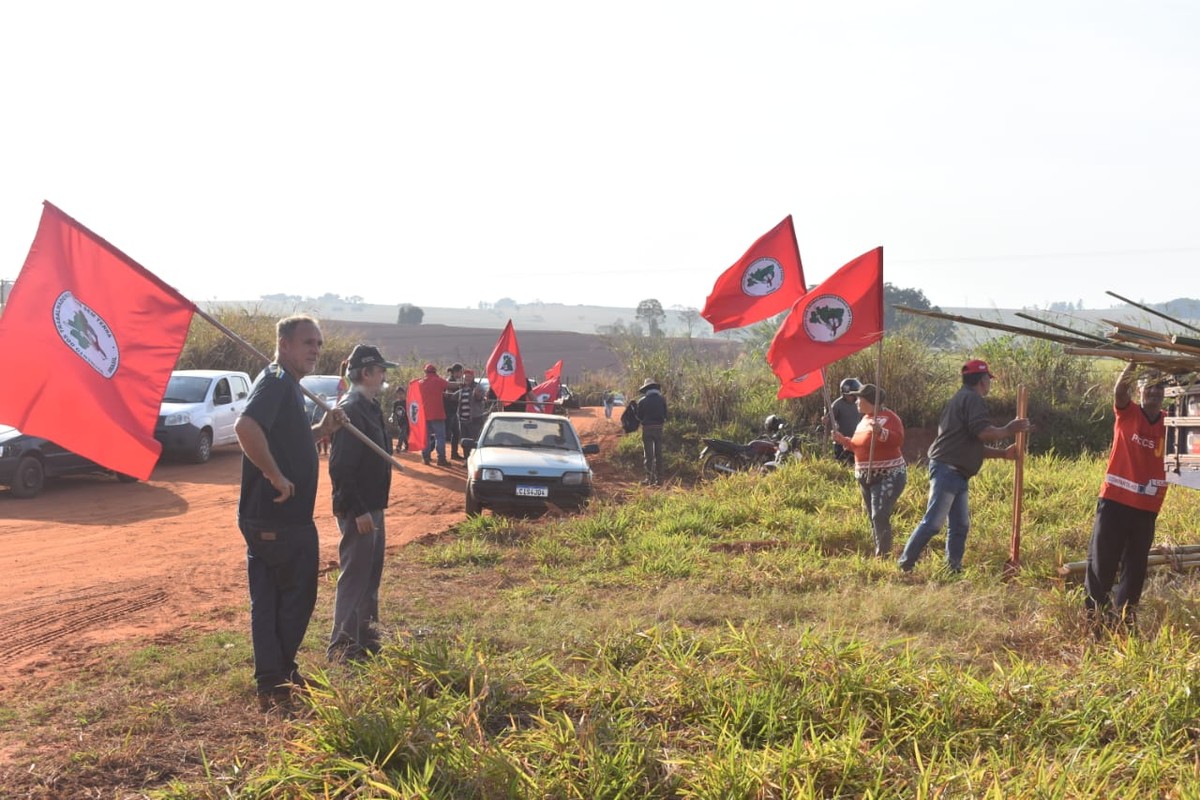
point(89, 337)
point(504, 369)
point(547, 390)
point(766, 280)
point(416, 417)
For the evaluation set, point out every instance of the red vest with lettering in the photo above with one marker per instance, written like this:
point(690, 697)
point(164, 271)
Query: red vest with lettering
point(1136, 476)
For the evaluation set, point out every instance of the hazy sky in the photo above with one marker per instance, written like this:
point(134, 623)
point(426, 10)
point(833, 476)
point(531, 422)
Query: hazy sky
point(1003, 154)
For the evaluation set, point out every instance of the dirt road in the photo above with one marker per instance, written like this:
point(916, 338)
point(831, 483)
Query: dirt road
point(92, 561)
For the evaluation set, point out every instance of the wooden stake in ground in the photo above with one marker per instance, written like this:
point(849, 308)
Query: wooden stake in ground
point(1013, 565)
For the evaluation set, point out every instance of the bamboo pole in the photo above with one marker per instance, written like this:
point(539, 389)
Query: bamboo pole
point(254, 351)
point(1153, 311)
point(878, 410)
point(999, 326)
point(1063, 328)
point(1164, 361)
point(1192, 561)
point(1014, 552)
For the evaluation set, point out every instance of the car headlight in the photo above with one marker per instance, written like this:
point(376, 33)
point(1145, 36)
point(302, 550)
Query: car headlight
point(576, 478)
point(178, 419)
point(9, 450)
point(489, 475)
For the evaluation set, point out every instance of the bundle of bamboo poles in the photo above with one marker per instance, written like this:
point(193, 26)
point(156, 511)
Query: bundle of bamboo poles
point(1171, 354)
point(1176, 558)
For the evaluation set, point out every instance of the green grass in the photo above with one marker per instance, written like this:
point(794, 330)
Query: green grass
point(732, 641)
point(641, 652)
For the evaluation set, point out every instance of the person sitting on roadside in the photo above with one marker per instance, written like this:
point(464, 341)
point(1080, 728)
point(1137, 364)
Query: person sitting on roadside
point(879, 465)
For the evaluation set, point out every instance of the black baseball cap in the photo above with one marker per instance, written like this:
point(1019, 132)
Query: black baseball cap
point(365, 355)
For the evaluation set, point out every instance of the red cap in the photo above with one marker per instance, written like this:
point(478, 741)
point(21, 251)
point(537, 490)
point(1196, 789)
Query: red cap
point(977, 367)
point(430, 368)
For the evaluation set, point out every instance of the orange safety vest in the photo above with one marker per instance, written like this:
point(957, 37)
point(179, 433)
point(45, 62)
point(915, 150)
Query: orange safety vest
point(1136, 476)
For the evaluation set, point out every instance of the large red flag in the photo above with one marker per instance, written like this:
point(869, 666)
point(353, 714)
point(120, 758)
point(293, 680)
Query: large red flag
point(547, 390)
point(416, 418)
point(764, 281)
point(504, 369)
point(840, 317)
point(87, 344)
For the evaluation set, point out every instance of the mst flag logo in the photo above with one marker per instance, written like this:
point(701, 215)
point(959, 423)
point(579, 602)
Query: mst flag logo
point(827, 318)
point(87, 334)
point(507, 364)
point(762, 277)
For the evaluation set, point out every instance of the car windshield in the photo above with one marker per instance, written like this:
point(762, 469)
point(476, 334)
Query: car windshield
point(186, 389)
point(551, 432)
point(325, 385)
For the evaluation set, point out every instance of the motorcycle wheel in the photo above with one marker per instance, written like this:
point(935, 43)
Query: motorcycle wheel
point(715, 465)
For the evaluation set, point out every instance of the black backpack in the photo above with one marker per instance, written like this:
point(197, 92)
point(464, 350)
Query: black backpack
point(629, 417)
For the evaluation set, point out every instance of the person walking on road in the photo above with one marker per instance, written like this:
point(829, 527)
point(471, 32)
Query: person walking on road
point(361, 482)
point(956, 455)
point(652, 415)
point(275, 509)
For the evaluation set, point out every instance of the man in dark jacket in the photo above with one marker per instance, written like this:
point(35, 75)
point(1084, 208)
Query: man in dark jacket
point(652, 413)
point(361, 481)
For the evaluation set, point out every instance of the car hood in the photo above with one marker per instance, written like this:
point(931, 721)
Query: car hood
point(529, 460)
point(179, 408)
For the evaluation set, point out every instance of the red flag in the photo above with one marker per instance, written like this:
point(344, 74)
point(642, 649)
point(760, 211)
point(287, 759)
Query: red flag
point(504, 370)
point(764, 281)
point(416, 418)
point(840, 317)
point(88, 341)
point(801, 386)
point(547, 390)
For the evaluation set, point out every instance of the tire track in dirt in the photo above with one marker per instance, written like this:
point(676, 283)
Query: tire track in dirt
point(49, 620)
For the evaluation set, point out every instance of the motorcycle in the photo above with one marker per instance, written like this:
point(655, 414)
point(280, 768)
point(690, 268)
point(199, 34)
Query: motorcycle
point(723, 457)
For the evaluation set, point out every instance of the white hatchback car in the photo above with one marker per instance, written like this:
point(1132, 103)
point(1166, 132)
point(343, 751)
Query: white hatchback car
point(199, 409)
point(527, 461)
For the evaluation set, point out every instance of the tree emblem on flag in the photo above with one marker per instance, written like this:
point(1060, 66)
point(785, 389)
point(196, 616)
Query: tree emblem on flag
point(414, 412)
point(507, 364)
point(87, 334)
point(827, 318)
point(764, 276)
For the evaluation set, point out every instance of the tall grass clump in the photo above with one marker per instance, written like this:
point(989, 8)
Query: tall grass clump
point(208, 348)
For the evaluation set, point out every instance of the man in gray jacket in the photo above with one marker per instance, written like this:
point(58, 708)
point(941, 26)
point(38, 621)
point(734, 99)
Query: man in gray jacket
point(361, 482)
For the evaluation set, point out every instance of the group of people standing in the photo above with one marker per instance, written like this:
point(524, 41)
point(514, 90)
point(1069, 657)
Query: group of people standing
point(280, 469)
point(1126, 512)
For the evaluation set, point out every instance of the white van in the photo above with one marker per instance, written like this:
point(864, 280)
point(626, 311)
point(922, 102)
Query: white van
point(199, 410)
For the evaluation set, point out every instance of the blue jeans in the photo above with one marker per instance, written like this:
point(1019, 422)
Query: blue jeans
point(281, 564)
point(879, 498)
point(947, 501)
point(435, 438)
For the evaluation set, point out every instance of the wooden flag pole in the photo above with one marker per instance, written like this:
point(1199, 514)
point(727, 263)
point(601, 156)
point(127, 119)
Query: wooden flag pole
point(878, 409)
point(1014, 553)
point(254, 351)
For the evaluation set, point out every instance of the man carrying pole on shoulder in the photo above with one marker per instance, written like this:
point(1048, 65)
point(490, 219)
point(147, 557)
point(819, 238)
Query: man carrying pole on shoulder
point(275, 509)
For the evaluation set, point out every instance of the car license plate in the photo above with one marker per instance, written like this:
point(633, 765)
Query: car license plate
point(533, 491)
